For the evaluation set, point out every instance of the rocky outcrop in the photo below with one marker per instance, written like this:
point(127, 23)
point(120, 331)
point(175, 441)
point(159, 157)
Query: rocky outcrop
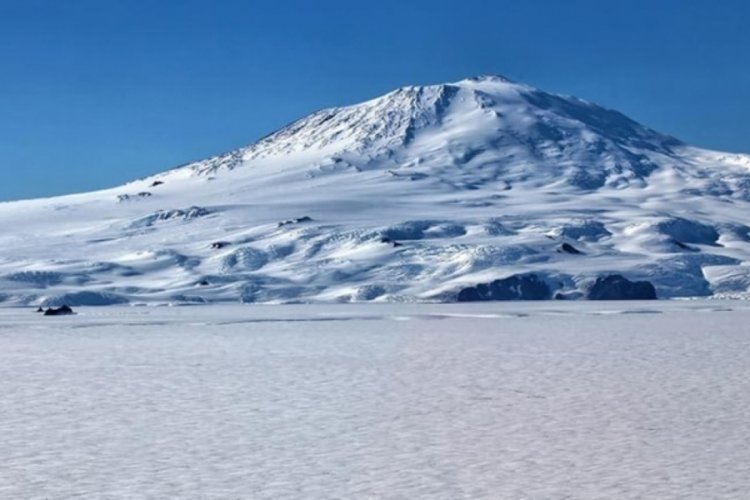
point(519, 287)
point(617, 287)
point(59, 311)
point(391, 242)
point(298, 220)
point(568, 248)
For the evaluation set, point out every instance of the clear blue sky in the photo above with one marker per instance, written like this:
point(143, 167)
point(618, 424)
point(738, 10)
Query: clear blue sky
point(97, 92)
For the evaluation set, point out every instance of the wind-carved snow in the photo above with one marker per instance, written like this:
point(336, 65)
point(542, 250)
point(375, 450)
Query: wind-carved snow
point(628, 401)
point(410, 196)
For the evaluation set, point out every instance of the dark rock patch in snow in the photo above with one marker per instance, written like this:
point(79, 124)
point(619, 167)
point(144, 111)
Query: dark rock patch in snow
point(617, 287)
point(519, 287)
point(684, 246)
point(63, 310)
point(132, 197)
point(391, 242)
point(185, 214)
point(298, 220)
point(568, 248)
point(368, 292)
point(412, 176)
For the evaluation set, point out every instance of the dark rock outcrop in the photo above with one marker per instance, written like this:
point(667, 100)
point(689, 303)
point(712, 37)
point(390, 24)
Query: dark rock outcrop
point(186, 214)
point(298, 220)
point(391, 242)
point(59, 311)
point(519, 287)
point(218, 245)
point(617, 287)
point(685, 246)
point(128, 197)
point(568, 248)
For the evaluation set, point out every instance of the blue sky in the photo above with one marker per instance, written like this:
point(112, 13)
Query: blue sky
point(97, 92)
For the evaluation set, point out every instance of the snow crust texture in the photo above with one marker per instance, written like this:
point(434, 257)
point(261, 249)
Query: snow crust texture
point(439, 401)
point(412, 196)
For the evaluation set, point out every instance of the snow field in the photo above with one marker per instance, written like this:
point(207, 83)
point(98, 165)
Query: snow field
point(542, 400)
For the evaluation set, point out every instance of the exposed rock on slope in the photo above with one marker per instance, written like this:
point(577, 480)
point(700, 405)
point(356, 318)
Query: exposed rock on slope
point(526, 287)
point(616, 287)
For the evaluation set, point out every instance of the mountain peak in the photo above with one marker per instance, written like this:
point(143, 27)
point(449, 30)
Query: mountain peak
point(489, 78)
point(466, 124)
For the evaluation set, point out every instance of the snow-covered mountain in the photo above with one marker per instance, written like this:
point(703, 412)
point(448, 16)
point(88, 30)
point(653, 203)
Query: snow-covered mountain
point(415, 195)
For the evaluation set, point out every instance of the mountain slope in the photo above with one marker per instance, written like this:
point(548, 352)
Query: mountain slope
point(411, 196)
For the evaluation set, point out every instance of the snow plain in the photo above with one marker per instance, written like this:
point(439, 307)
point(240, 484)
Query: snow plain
point(503, 400)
